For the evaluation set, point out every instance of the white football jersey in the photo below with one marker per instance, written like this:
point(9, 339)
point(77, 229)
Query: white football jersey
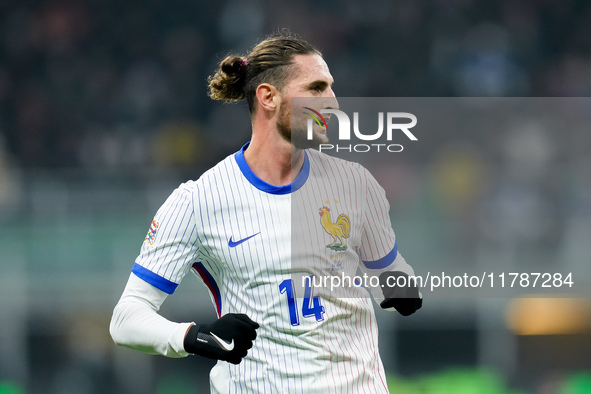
point(252, 243)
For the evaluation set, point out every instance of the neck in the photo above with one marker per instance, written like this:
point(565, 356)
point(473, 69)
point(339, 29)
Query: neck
point(273, 159)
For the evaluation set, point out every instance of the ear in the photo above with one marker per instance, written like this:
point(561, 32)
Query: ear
point(266, 97)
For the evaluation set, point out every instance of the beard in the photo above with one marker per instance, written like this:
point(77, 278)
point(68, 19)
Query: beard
point(296, 132)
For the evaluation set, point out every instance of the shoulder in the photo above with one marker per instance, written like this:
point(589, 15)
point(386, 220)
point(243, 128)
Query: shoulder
point(223, 171)
point(325, 163)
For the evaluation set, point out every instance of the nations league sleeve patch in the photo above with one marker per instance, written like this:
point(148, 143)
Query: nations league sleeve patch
point(151, 236)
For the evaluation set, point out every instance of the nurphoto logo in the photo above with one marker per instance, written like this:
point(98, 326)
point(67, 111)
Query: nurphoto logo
point(392, 125)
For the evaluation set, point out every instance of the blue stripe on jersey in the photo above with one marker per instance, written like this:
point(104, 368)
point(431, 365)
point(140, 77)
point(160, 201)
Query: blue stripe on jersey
point(267, 187)
point(384, 261)
point(211, 285)
point(154, 279)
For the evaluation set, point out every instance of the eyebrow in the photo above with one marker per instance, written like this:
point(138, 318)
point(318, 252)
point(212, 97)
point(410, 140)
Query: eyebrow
point(321, 84)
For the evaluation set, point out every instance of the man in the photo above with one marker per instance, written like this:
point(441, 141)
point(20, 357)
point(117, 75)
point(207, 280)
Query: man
point(234, 228)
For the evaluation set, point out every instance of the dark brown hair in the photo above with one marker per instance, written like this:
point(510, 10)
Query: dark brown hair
point(271, 61)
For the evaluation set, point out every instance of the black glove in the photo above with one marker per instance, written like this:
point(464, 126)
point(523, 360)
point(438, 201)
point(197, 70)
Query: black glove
point(228, 338)
point(405, 299)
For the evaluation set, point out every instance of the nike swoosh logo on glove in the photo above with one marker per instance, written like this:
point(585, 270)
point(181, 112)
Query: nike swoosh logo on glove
point(229, 346)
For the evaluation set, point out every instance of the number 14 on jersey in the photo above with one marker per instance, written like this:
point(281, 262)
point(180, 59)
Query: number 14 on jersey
point(310, 307)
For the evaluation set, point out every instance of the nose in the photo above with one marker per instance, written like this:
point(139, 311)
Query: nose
point(331, 100)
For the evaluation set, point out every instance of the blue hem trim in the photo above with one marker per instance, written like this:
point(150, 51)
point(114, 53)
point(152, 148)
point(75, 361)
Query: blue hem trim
point(384, 261)
point(267, 187)
point(154, 279)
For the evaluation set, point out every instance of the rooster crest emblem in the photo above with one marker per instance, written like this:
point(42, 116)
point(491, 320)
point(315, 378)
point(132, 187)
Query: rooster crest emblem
point(338, 230)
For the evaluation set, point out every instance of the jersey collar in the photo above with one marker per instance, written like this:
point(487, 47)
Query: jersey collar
point(267, 187)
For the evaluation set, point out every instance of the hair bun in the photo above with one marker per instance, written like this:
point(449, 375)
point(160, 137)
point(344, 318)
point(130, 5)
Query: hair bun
point(271, 61)
point(228, 82)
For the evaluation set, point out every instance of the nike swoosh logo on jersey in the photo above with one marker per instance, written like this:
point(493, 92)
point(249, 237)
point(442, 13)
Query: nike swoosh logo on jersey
point(229, 346)
point(233, 244)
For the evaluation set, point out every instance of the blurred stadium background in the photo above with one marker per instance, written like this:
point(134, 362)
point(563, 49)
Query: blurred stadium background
point(103, 111)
